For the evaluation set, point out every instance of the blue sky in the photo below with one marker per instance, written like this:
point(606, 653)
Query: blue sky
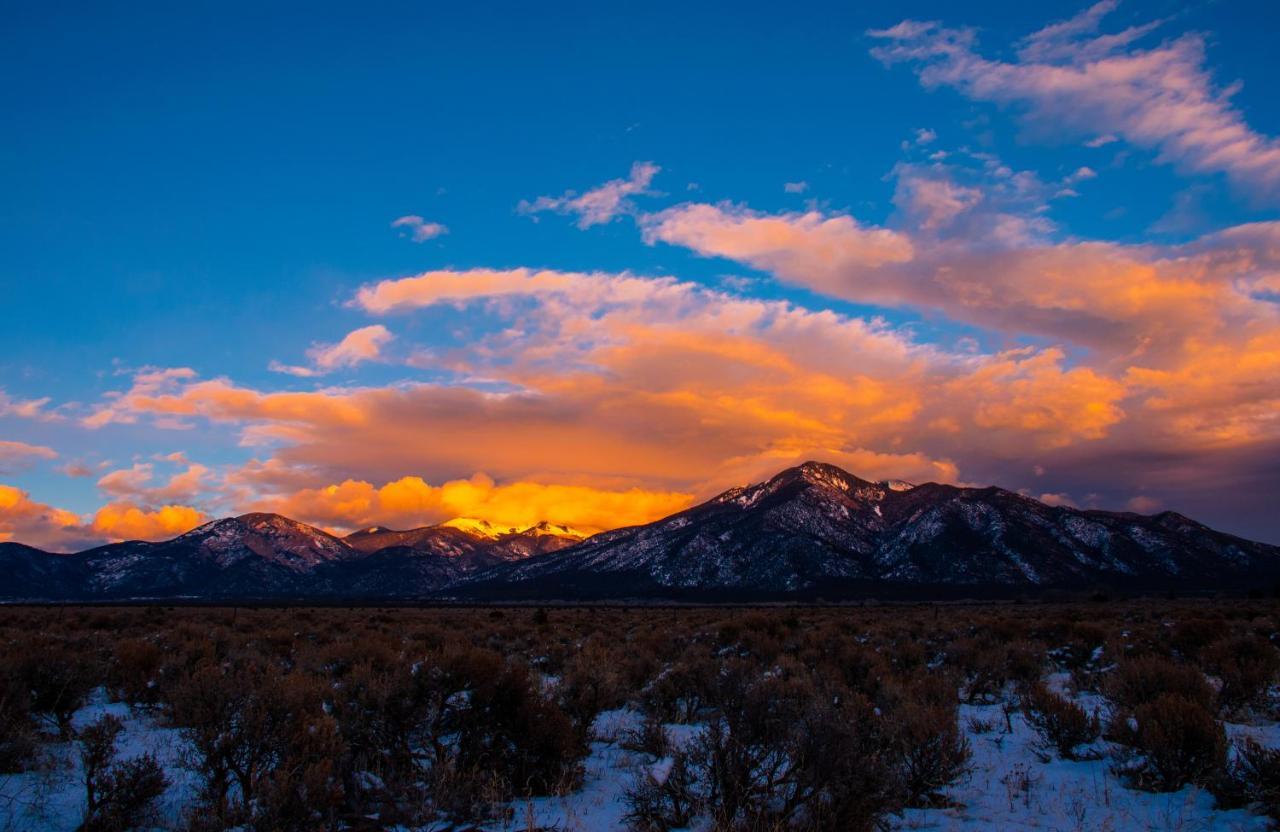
point(207, 186)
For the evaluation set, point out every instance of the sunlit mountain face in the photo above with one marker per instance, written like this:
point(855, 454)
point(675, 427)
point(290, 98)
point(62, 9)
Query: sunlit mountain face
point(430, 282)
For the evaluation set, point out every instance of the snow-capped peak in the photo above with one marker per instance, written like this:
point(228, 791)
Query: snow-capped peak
point(484, 529)
point(478, 528)
point(547, 528)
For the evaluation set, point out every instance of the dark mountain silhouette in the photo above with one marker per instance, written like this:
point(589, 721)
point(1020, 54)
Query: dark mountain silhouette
point(813, 530)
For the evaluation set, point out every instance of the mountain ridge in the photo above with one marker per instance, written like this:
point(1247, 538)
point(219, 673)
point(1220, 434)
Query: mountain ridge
point(813, 529)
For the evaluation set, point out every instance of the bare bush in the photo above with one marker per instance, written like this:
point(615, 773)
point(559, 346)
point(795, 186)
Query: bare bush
point(1173, 741)
point(1062, 724)
point(119, 795)
point(1247, 667)
point(1142, 680)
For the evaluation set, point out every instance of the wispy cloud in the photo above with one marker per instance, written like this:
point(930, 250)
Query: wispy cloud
point(418, 229)
point(1070, 79)
point(599, 205)
point(15, 455)
point(357, 347)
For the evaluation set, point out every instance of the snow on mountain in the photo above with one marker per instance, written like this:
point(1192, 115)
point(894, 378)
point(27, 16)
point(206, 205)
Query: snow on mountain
point(813, 529)
point(816, 526)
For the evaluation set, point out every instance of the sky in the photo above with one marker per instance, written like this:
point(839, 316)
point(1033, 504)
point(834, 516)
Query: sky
point(593, 263)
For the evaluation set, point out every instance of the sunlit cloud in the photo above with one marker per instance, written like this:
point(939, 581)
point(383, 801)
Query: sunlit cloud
point(357, 347)
point(418, 229)
point(15, 455)
point(1069, 79)
point(411, 502)
point(36, 409)
point(599, 205)
point(124, 521)
point(26, 521)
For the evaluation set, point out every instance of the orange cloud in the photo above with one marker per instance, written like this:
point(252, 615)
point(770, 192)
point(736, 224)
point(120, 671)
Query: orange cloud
point(411, 502)
point(359, 346)
point(125, 521)
point(27, 521)
point(1032, 394)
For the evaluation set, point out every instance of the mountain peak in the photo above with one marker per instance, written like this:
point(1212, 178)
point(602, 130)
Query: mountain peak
point(478, 528)
point(821, 474)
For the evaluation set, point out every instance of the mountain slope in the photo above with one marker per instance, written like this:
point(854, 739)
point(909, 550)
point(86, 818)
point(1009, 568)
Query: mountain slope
point(269, 557)
point(809, 531)
point(471, 544)
point(816, 526)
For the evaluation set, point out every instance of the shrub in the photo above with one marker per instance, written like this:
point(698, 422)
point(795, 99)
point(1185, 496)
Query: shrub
point(663, 797)
point(1142, 680)
point(119, 795)
point(1062, 724)
point(650, 738)
point(265, 732)
point(680, 693)
point(59, 681)
point(136, 670)
point(17, 734)
point(779, 752)
point(1247, 666)
point(591, 683)
point(933, 752)
point(1178, 742)
point(1256, 772)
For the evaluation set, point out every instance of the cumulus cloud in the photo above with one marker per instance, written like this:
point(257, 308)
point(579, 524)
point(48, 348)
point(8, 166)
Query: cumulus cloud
point(418, 229)
point(125, 521)
point(1069, 79)
point(136, 483)
point(796, 187)
point(28, 521)
point(621, 381)
point(599, 205)
point(357, 347)
point(410, 502)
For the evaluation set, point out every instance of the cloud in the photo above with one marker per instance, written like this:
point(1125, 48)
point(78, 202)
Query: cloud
point(983, 255)
point(599, 205)
point(15, 455)
point(796, 187)
point(27, 521)
point(411, 502)
point(357, 347)
point(125, 521)
point(147, 381)
point(1068, 79)
point(135, 483)
point(26, 408)
point(420, 230)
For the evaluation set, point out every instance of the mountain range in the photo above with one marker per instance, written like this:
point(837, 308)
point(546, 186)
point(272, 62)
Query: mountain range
point(810, 531)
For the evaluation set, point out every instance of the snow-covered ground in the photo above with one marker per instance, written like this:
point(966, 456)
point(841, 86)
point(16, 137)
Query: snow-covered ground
point(51, 798)
point(1010, 786)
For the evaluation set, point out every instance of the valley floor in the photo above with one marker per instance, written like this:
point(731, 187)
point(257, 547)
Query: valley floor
point(1011, 785)
point(983, 660)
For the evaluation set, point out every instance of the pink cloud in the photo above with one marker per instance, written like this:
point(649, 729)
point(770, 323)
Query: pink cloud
point(357, 347)
point(601, 204)
point(1070, 79)
point(419, 229)
point(15, 454)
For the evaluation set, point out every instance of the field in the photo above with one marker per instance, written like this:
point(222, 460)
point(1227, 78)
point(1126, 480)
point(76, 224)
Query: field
point(1099, 716)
